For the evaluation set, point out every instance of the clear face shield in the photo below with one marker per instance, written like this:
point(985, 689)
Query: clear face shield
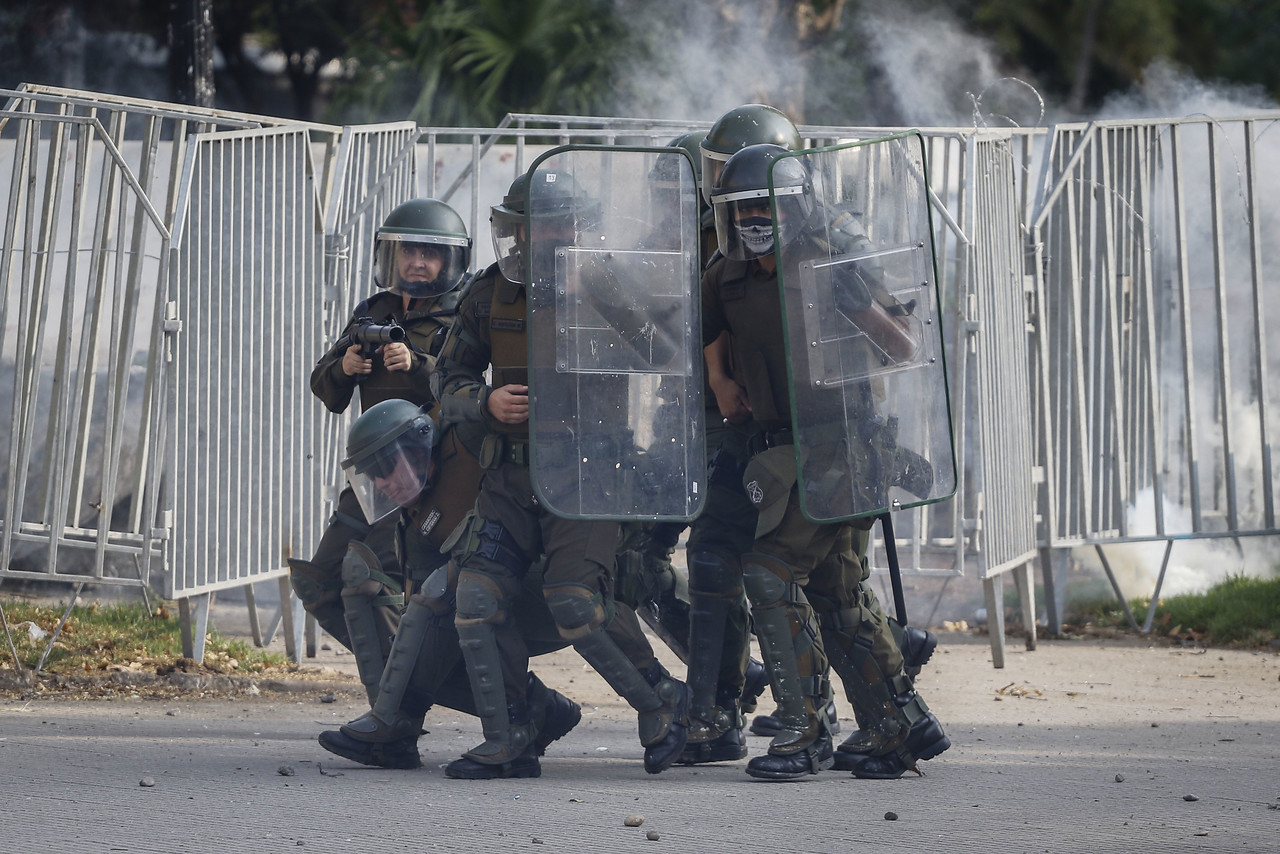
point(508, 243)
point(390, 478)
point(419, 265)
point(745, 227)
point(712, 165)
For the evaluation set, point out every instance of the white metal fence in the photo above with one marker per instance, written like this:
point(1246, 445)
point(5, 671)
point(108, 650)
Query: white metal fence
point(168, 276)
point(1154, 384)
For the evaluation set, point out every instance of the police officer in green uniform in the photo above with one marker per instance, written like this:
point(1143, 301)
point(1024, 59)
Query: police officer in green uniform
point(350, 585)
point(722, 677)
point(400, 465)
point(792, 555)
point(511, 529)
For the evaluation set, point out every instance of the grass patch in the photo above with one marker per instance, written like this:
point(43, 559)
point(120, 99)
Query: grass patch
point(117, 637)
point(1238, 611)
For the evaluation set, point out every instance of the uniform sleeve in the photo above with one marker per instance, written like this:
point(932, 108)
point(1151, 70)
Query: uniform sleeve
point(713, 320)
point(329, 382)
point(458, 380)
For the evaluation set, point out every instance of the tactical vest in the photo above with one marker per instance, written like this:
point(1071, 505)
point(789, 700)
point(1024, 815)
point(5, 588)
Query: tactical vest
point(508, 344)
point(429, 522)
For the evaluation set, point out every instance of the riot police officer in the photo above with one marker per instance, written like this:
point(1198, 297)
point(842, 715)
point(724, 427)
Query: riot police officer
point(791, 554)
point(400, 465)
point(511, 528)
point(387, 351)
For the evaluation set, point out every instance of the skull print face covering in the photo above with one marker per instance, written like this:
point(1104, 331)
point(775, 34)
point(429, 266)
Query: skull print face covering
point(756, 233)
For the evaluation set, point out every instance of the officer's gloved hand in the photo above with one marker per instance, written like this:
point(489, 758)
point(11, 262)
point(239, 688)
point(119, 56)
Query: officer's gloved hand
point(852, 294)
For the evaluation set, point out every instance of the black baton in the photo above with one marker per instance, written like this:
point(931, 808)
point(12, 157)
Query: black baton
point(895, 572)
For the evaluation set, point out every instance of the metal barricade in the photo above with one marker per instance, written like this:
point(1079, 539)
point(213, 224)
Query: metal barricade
point(1106, 330)
point(1151, 347)
point(84, 275)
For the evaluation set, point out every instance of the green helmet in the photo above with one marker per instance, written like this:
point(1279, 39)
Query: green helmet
point(546, 195)
point(741, 201)
point(422, 249)
point(749, 124)
point(665, 166)
point(388, 462)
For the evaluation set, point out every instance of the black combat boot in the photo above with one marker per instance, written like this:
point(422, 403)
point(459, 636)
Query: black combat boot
point(812, 759)
point(729, 746)
point(917, 648)
point(925, 741)
point(525, 763)
point(863, 742)
point(402, 753)
point(755, 680)
point(674, 694)
point(553, 713)
point(769, 725)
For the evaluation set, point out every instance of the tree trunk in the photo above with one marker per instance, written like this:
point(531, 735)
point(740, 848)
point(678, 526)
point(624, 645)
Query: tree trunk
point(1084, 61)
point(191, 52)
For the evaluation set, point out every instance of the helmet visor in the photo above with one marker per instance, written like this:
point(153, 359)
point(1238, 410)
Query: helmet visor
point(508, 243)
point(712, 165)
point(390, 478)
point(420, 265)
point(746, 227)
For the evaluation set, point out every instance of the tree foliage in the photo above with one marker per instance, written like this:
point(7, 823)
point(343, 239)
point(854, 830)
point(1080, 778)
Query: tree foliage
point(1085, 50)
point(470, 63)
point(467, 62)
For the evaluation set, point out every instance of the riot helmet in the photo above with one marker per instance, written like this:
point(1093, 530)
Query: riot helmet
point(666, 171)
point(388, 462)
point(669, 179)
point(550, 197)
point(745, 222)
point(749, 124)
point(422, 249)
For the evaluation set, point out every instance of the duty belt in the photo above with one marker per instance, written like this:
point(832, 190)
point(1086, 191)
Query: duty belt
point(498, 449)
point(516, 451)
point(763, 440)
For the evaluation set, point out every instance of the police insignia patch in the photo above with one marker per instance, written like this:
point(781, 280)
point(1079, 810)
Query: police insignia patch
point(430, 522)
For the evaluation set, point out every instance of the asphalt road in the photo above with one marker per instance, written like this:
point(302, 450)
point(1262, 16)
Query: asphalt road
point(1075, 747)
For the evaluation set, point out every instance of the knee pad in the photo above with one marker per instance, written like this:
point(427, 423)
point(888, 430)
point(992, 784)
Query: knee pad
point(578, 610)
point(480, 600)
point(311, 585)
point(362, 573)
point(439, 592)
point(764, 588)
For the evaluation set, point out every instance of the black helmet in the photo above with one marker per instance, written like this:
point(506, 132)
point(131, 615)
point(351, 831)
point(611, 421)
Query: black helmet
point(741, 200)
point(543, 195)
point(666, 168)
point(412, 240)
point(388, 462)
point(750, 124)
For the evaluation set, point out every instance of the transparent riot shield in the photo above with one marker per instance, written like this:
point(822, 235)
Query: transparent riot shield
point(615, 368)
point(872, 423)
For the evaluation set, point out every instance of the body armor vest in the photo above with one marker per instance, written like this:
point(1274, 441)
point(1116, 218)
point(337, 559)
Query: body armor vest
point(509, 344)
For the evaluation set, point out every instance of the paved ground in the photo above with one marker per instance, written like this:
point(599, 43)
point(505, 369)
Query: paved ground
point(1075, 747)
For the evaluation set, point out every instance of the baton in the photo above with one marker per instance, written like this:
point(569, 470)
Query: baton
point(895, 572)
